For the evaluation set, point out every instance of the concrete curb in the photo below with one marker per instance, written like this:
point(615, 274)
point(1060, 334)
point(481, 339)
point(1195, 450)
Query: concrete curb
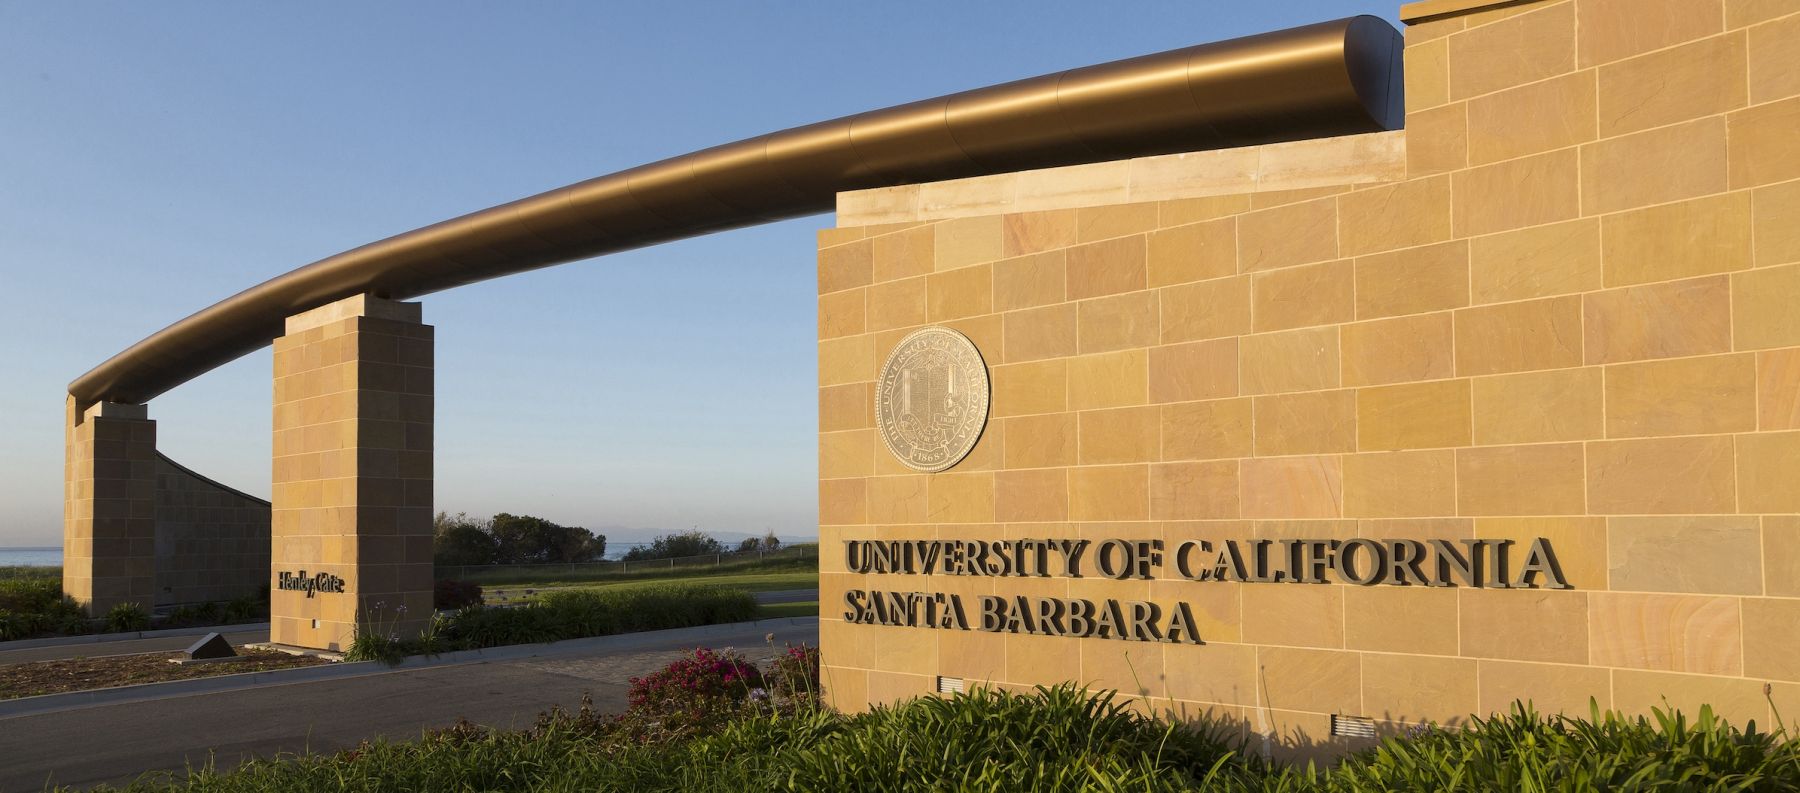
point(47, 703)
point(102, 638)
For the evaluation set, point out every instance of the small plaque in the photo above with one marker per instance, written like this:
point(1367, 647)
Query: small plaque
point(931, 400)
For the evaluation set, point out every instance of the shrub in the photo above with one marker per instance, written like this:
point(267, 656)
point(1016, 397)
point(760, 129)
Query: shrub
point(127, 618)
point(675, 546)
point(243, 609)
point(453, 594)
point(794, 675)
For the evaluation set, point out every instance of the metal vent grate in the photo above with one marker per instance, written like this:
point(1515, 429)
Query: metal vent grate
point(1352, 726)
point(950, 685)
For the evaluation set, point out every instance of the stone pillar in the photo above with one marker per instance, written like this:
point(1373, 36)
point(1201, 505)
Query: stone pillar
point(109, 521)
point(351, 515)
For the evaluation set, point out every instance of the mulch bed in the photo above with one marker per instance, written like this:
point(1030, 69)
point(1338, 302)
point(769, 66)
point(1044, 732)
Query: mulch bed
point(82, 674)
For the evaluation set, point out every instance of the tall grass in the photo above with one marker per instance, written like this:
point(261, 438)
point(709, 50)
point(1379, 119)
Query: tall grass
point(1051, 739)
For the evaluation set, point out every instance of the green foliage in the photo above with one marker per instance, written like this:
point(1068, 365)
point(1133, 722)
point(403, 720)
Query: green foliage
point(461, 541)
point(127, 618)
point(458, 540)
point(244, 609)
point(1525, 751)
point(557, 616)
point(676, 546)
point(1057, 738)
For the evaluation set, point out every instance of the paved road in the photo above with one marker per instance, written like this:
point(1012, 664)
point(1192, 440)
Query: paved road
point(113, 743)
point(241, 638)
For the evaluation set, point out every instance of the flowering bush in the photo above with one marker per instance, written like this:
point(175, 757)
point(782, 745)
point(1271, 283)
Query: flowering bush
point(793, 676)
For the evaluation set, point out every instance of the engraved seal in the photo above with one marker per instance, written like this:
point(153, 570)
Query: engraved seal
point(931, 400)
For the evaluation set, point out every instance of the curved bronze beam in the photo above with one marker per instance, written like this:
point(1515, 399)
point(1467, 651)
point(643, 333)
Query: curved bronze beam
point(1332, 78)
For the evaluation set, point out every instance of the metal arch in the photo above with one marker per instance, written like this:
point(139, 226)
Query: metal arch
point(1331, 78)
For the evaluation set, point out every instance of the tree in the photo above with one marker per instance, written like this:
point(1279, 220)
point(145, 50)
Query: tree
point(749, 545)
point(675, 546)
point(524, 539)
point(770, 542)
point(460, 540)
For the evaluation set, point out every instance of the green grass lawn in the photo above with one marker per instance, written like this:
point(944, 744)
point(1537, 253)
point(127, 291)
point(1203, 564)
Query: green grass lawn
point(749, 582)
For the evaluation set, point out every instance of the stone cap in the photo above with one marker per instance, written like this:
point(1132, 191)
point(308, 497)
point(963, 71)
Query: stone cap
point(364, 305)
point(1426, 10)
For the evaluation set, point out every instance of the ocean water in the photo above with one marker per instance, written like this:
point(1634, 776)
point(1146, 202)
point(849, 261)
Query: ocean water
point(31, 557)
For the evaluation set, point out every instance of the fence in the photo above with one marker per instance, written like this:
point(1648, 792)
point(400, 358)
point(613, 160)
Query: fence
point(589, 570)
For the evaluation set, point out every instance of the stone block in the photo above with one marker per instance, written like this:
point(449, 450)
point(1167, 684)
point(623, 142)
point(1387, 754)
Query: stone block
point(1549, 688)
point(1035, 232)
point(841, 502)
point(1523, 336)
point(1206, 309)
point(896, 304)
point(1403, 349)
point(1683, 396)
point(1697, 237)
point(1295, 297)
point(1295, 360)
point(1699, 554)
point(964, 241)
point(1028, 281)
point(1762, 150)
point(1735, 699)
point(1039, 333)
point(959, 293)
point(903, 254)
point(1660, 476)
point(1778, 389)
point(1613, 176)
point(1673, 633)
point(1537, 407)
point(1774, 60)
point(846, 360)
point(1312, 422)
point(1207, 430)
point(1287, 235)
point(845, 267)
point(1114, 492)
point(1193, 252)
point(1400, 484)
point(1541, 625)
point(1221, 673)
point(1031, 495)
point(1615, 29)
point(1418, 689)
point(1413, 416)
point(1194, 490)
point(1666, 320)
point(1117, 322)
point(1398, 619)
point(846, 407)
point(1041, 441)
point(960, 498)
point(1541, 479)
point(1528, 191)
point(1113, 379)
point(1437, 140)
point(1120, 435)
point(1768, 466)
point(1522, 49)
point(1292, 487)
point(1531, 119)
point(1427, 75)
point(1319, 681)
point(1402, 215)
point(1579, 543)
point(1028, 388)
point(1681, 83)
point(1107, 268)
point(1761, 307)
point(845, 454)
point(1190, 371)
point(1771, 644)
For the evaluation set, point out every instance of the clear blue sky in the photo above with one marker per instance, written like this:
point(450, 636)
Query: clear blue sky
point(156, 157)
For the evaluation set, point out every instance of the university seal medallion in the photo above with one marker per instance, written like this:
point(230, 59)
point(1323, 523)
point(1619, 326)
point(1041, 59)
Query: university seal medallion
point(931, 400)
